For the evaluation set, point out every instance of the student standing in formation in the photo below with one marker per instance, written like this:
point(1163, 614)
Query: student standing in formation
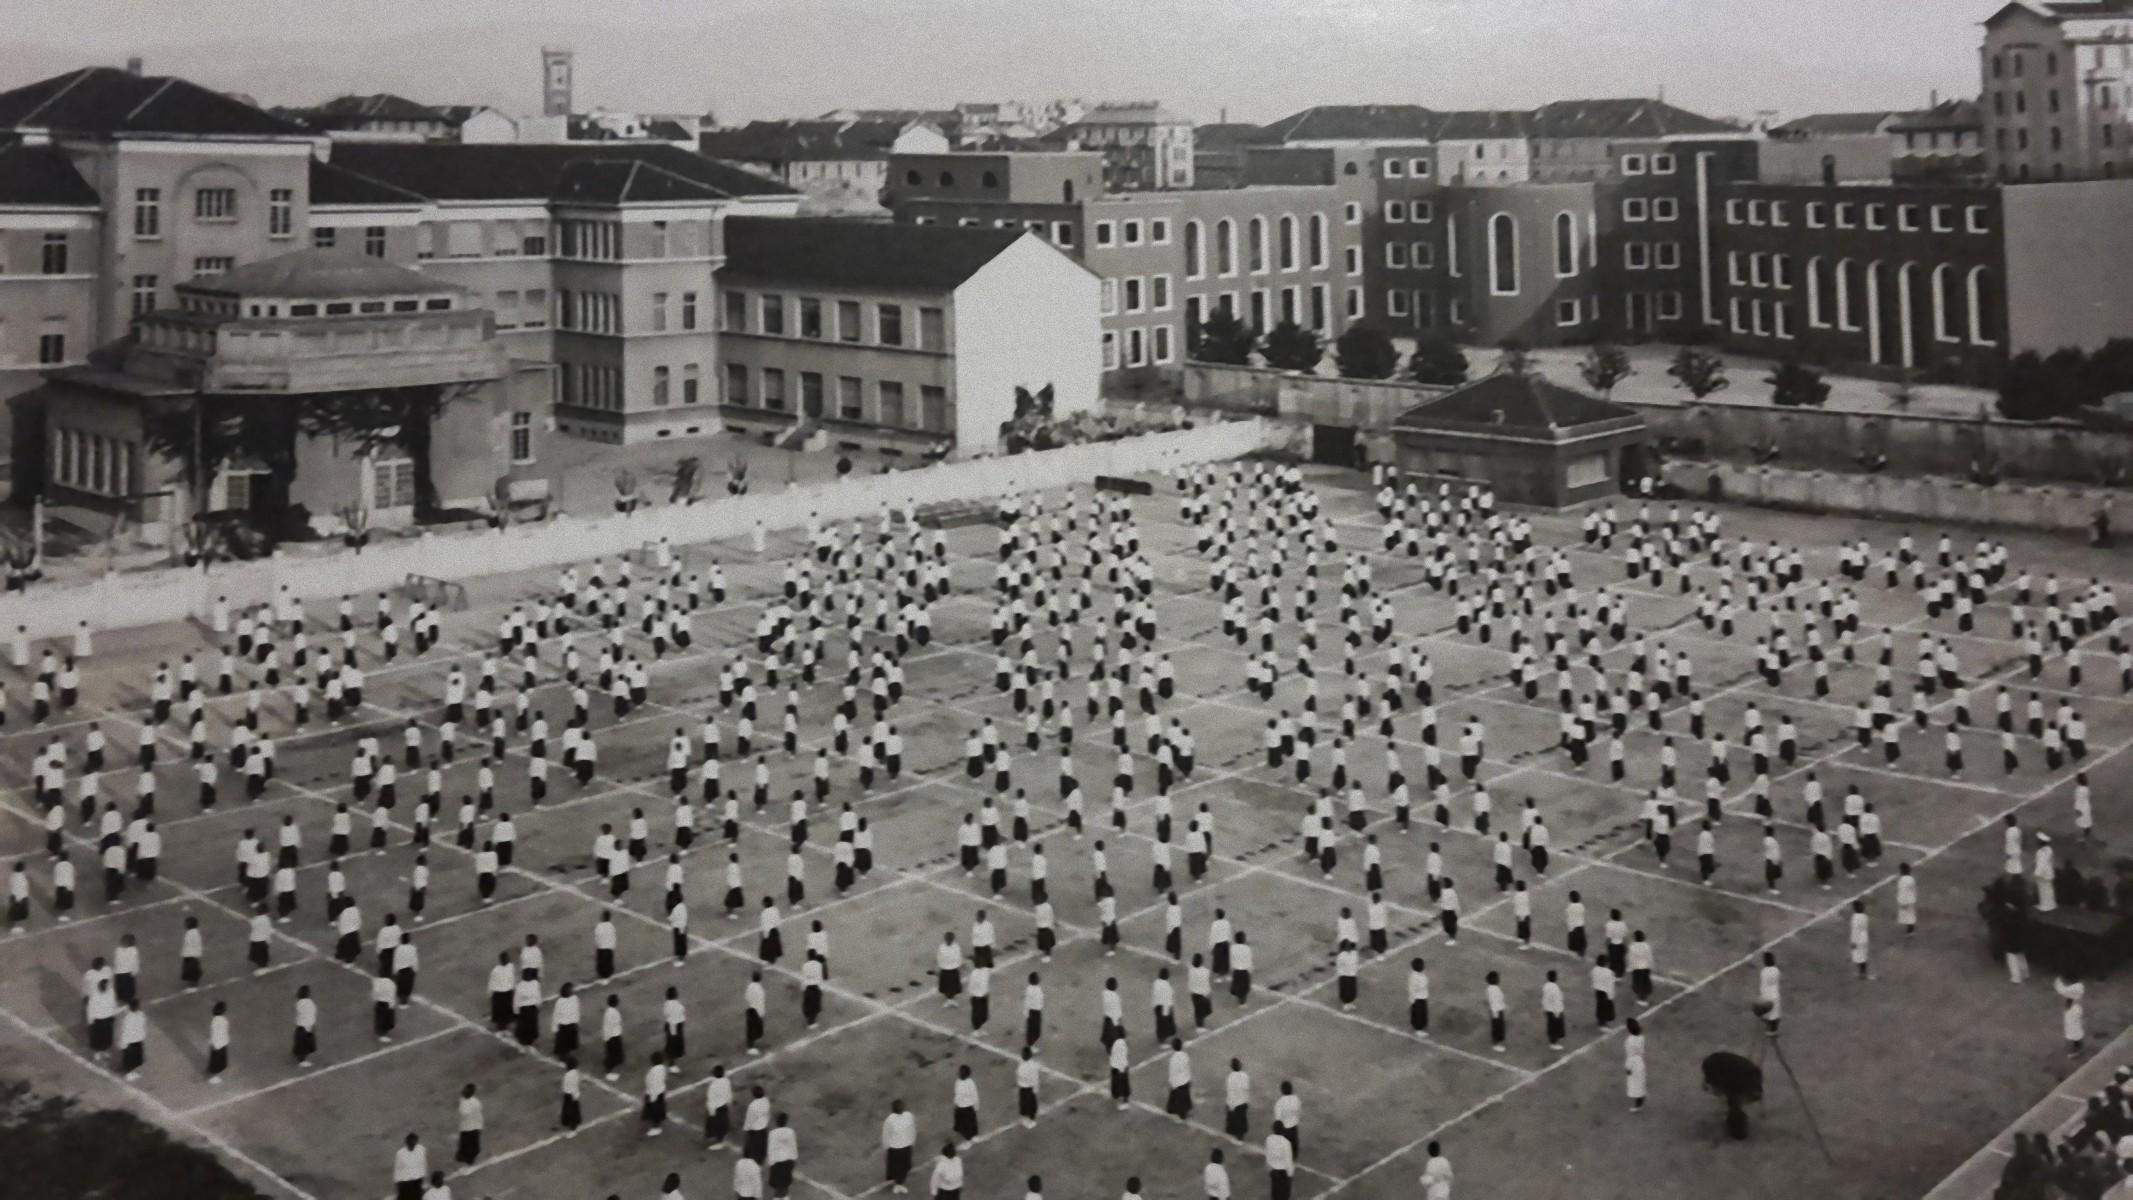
point(899, 1131)
point(1633, 1063)
point(947, 1182)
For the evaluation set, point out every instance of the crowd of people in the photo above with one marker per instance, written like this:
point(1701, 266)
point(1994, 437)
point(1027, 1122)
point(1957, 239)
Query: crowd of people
point(1078, 657)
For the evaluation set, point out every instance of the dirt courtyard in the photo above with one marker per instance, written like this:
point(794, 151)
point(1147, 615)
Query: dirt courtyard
point(1907, 1074)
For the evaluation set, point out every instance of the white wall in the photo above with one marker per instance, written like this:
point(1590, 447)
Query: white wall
point(175, 594)
point(1029, 318)
point(487, 127)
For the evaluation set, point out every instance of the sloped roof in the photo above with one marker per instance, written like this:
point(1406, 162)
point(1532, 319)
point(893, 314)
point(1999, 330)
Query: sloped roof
point(802, 141)
point(320, 274)
point(1621, 118)
point(1356, 122)
point(107, 102)
point(859, 255)
point(1852, 124)
point(1948, 114)
point(383, 106)
point(2070, 10)
point(1480, 123)
point(1525, 405)
point(1229, 135)
point(1131, 114)
point(335, 184)
point(41, 176)
point(513, 171)
point(628, 181)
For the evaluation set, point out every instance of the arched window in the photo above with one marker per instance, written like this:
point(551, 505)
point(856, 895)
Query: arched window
point(1503, 255)
point(1844, 294)
point(1288, 243)
point(1255, 234)
point(990, 180)
point(1195, 262)
point(1566, 245)
point(947, 179)
point(1814, 294)
point(1319, 249)
point(1225, 247)
point(1944, 305)
point(1984, 299)
point(912, 177)
point(1348, 168)
point(1066, 191)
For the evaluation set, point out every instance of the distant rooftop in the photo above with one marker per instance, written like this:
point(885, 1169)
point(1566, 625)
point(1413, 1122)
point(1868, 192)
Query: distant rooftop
point(109, 102)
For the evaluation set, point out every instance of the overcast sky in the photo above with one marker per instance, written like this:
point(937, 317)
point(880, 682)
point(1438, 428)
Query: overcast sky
point(1258, 59)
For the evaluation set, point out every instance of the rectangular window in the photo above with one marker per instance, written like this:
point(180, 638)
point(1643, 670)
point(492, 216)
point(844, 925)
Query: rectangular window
point(215, 264)
point(1670, 306)
point(1355, 304)
point(1352, 259)
point(1662, 164)
point(1907, 218)
point(1063, 232)
point(1159, 293)
point(1845, 219)
point(691, 383)
point(1756, 210)
point(1422, 256)
point(659, 313)
point(1418, 167)
point(889, 325)
point(1422, 212)
point(521, 438)
point(281, 212)
point(1635, 209)
point(323, 237)
point(51, 348)
point(1105, 233)
point(215, 204)
point(932, 329)
point(1136, 348)
point(1162, 344)
point(392, 483)
point(1781, 320)
point(933, 409)
point(891, 395)
point(1633, 164)
point(1129, 233)
point(810, 317)
point(1396, 255)
point(54, 254)
point(773, 389)
point(1321, 307)
point(1395, 168)
point(1777, 214)
point(147, 213)
point(1159, 231)
point(737, 384)
point(1734, 310)
point(736, 316)
point(659, 240)
point(688, 310)
point(374, 240)
point(661, 377)
point(1107, 297)
point(1665, 208)
point(1877, 216)
point(850, 406)
point(1733, 211)
point(1352, 213)
point(1815, 213)
point(144, 294)
point(1943, 218)
point(773, 310)
point(1395, 303)
point(1974, 218)
point(1133, 294)
point(1567, 312)
point(534, 245)
point(848, 321)
point(811, 393)
point(1637, 256)
point(1666, 255)
point(1395, 212)
point(1110, 351)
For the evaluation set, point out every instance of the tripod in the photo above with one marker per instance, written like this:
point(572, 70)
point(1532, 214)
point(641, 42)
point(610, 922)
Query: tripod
point(1771, 1045)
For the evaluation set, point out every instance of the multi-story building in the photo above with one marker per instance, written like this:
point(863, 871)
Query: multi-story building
point(1144, 146)
point(2057, 79)
point(380, 117)
point(597, 258)
point(1944, 140)
point(900, 338)
point(51, 231)
point(1268, 253)
point(839, 167)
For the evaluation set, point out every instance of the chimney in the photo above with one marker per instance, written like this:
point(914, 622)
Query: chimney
point(1933, 98)
point(133, 65)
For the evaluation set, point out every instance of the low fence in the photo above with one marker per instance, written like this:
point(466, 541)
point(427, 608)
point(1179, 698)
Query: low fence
point(1940, 501)
point(1367, 404)
point(125, 600)
point(1915, 443)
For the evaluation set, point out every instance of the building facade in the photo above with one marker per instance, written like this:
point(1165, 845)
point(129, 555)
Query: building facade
point(2056, 79)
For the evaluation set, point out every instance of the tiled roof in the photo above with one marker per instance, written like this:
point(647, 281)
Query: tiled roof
point(106, 102)
point(335, 184)
point(1229, 135)
point(1525, 404)
point(801, 141)
point(1948, 114)
point(1837, 124)
point(1354, 122)
point(41, 176)
point(1621, 118)
point(382, 106)
point(544, 172)
point(860, 255)
point(1480, 124)
point(628, 181)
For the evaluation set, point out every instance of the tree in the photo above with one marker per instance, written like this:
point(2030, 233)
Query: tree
point(1364, 352)
point(402, 419)
point(1513, 357)
point(2034, 387)
point(1700, 371)
point(1794, 384)
point(1031, 426)
point(1222, 338)
point(1437, 361)
point(1290, 347)
point(1604, 366)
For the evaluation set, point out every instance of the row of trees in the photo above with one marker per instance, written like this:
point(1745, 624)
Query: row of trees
point(2064, 383)
point(1367, 352)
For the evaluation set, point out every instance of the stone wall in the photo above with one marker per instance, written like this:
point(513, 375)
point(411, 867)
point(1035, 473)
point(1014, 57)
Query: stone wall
point(124, 600)
point(1915, 443)
point(1301, 401)
point(1937, 501)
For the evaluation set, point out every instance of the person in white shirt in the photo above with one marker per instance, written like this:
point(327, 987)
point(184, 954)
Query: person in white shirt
point(411, 1165)
point(1436, 1175)
point(1214, 1177)
point(471, 1122)
point(782, 1156)
point(966, 1104)
point(899, 1131)
point(947, 1181)
point(1280, 1166)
